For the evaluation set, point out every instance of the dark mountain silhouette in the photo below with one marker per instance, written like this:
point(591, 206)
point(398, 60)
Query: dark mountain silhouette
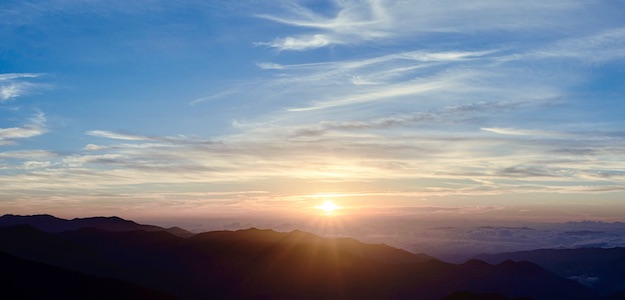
point(615, 296)
point(461, 295)
point(598, 268)
point(137, 256)
point(267, 238)
point(264, 264)
point(23, 279)
point(50, 223)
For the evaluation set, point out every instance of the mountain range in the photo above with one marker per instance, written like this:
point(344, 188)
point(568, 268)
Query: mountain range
point(150, 262)
point(50, 223)
point(602, 269)
point(23, 279)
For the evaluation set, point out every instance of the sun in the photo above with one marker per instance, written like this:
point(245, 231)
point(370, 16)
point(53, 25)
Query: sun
point(328, 207)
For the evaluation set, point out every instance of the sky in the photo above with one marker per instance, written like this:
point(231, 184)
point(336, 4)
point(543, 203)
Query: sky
point(420, 110)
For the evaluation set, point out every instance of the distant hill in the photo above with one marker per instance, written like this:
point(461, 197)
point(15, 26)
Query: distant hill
point(598, 268)
point(264, 264)
point(23, 279)
point(615, 296)
point(266, 238)
point(461, 295)
point(50, 223)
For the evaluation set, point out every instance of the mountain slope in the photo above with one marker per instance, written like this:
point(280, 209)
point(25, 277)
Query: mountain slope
point(598, 268)
point(460, 295)
point(138, 256)
point(265, 238)
point(23, 279)
point(50, 223)
point(253, 264)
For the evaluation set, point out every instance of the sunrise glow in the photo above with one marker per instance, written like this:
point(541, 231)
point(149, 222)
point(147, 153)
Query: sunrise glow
point(424, 111)
point(287, 137)
point(328, 207)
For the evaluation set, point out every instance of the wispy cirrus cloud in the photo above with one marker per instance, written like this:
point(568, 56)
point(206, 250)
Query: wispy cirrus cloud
point(35, 127)
point(298, 43)
point(382, 78)
point(212, 97)
point(12, 76)
point(523, 132)
point(355, 22)
point(401, 62)
point(411, 88)
point(27, 154)
point(449, 114)
point(14, 85)
point(135, 137)
point(119, 136)
point(438, 165)
point(598, 47)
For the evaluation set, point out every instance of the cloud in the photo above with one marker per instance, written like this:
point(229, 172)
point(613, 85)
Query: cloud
point(299, 44)
point(95, 147)
point(37, 164)
point(326, 126)
point(522, 132)
point(412, 88)
point(135, 137)
point(357, 22)
point(354, 21)
point(118, 136)
point(437, 167)
point(12, 76)
point(27, 154)
point(404, 56)
point(449, 114)
point(269, 66)
point(423, 76)
point(216, 96)
point(35, 127)
point(525, 171)
point(444, 100)
point(599, 47)
point(461, 242)
point(13, 85)
point(354, 158)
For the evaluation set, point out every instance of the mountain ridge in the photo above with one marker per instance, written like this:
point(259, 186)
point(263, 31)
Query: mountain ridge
point(27, 279)
point(256, 263)
point(49, 223)
point(598, 268)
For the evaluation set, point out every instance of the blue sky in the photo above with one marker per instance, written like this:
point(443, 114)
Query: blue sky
point(479, 110)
